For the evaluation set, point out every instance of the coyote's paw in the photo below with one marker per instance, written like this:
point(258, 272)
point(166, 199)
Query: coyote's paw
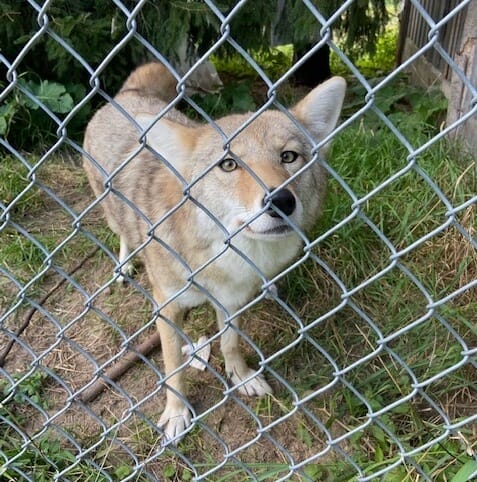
point(174, 422)
point(272, 292)
point(127, 270)
point(254, 386)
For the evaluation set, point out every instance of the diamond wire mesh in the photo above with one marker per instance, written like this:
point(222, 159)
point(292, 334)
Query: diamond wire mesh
point(292, 435)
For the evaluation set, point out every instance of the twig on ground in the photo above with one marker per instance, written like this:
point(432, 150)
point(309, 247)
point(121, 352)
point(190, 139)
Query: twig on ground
point(114, 372)
point(29, 315)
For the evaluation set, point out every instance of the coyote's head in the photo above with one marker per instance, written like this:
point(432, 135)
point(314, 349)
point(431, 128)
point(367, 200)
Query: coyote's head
point(253, 174)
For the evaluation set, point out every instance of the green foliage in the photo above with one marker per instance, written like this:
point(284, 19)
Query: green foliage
point(232, 98)
point(372, 64)
point(402, 209)
point(23, 257)
point(238, 96)
point(273, 61)
point(45, 455)
point(25, 121)
point(51, 94)
point(415, 111)
point(469, 468)
point(106, 27)
point(14, 180)
point(20, 196)
point(361, 25)
point(49, 70)
point(44, 458)
point(383, 59)
point(30, 388)
point(173, 471)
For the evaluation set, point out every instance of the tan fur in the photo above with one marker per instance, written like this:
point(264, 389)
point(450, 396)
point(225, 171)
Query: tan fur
point(206, 234)
point(154, 80)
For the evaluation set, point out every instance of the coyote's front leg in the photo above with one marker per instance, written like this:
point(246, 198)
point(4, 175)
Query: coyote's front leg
point(249, 382)
point(127, 267)
point(176, 417)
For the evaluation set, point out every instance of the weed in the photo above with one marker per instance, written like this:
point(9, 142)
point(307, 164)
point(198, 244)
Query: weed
point(43, 455)
point(246, 90)
point(273, 61)
point(236, 98)
point(18, 192)
point(24, 388)
point(25, 256)
point(20, 114)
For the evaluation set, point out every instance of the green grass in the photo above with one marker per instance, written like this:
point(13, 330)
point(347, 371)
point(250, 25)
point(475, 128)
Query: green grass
point(365, 155)
point(29, 205)
point(47, 454)
point(274, 62)
point(17, 190)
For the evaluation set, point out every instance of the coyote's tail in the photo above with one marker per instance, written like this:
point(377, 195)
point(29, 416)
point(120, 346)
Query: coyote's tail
point(152, 80)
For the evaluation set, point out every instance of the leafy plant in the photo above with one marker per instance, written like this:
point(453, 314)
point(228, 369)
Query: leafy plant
point(232, 98)
point(466, 471)
point(51, 94)
point(190, 24)
point(42, 456)
point(415, 111)
point(273, 61)
point(30, 388)
point(383, 59)
point(375, 62)
point(24, 118)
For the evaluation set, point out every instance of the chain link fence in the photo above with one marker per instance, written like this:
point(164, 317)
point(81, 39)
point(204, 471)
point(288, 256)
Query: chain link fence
point(367, 338)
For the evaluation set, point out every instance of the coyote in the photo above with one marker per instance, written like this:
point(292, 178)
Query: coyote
point(217, 209)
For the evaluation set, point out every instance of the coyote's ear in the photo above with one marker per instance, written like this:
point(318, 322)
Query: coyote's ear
point(320, 109)
point(171, 140)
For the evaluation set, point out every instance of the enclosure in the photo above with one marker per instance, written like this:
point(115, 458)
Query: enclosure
point(368, 338)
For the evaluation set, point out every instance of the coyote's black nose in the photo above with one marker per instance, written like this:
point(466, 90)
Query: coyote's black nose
point(283, 200)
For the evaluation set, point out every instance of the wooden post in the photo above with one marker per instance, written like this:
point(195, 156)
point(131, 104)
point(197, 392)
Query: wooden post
point(460, 97)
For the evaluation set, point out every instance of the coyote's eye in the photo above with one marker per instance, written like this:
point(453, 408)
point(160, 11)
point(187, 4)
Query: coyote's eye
point(288, 156)
point(228, 164)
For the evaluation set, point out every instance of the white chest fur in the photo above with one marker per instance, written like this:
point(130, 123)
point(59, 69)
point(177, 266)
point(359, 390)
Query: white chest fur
point(237, 274)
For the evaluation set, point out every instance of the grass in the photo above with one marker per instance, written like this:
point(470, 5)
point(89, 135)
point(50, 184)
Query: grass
point(405, 212)
point(376, 381)
point(274, 62)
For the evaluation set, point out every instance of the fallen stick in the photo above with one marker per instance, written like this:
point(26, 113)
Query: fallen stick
point(29, 314)
point(112, 373)
point(123, 365)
